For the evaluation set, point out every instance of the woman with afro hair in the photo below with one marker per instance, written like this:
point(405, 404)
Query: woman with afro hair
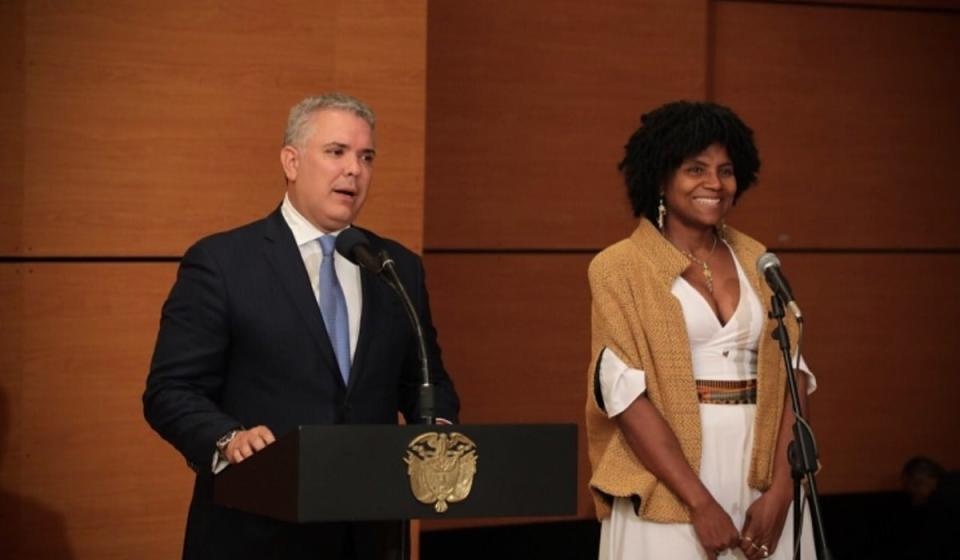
point(688, 420)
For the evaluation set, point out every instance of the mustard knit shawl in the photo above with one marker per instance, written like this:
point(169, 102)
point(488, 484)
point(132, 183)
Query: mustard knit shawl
point(635, 316)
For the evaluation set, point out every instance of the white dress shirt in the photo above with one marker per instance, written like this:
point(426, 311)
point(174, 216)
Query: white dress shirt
point(307, 237)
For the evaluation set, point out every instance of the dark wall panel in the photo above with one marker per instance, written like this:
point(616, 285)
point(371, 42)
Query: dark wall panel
point(880, 338)
point(856, 118)
point(945, 6)
point(515, 331)
point(11, 121)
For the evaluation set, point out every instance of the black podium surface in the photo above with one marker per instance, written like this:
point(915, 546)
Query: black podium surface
point(354, 473)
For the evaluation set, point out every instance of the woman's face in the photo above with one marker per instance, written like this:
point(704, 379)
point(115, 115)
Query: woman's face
point(701, 190)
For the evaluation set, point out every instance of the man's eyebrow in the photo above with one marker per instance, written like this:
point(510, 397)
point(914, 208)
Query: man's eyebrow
point(347, 146)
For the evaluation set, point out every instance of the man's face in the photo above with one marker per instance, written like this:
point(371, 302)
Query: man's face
point(329, 173)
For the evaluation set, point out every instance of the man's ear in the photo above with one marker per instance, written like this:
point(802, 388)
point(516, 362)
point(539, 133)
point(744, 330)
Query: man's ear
point(290, 161)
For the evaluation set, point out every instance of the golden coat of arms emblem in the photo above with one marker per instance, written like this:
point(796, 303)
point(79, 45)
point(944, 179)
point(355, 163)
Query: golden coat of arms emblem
point(441, 467)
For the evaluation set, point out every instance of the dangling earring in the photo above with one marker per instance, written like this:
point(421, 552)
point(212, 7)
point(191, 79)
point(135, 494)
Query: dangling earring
point(661, 212)
point(722, 230)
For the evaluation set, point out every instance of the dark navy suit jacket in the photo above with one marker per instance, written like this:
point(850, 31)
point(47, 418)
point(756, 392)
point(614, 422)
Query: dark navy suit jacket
point(242, 343)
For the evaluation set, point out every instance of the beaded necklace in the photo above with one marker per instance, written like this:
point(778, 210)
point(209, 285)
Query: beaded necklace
point(707, 273)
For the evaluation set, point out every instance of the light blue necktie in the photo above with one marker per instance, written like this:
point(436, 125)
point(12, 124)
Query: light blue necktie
point(333, 306)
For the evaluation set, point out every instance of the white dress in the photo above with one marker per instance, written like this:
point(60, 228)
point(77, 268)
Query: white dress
point(718, 352)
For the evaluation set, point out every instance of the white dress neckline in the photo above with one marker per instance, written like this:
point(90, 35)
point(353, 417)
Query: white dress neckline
point(742, 285)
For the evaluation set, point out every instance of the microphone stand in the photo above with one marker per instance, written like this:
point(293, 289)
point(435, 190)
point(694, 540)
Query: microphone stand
point(427, 403)
point(802, 451)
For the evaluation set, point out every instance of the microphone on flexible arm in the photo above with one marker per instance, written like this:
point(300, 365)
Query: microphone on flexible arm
point(354, 245)
point(768, 265)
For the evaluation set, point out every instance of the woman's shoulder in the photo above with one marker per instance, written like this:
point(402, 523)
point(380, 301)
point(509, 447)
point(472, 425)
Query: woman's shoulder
point(614, 259)
point(645, 253)
point(623, 249)
point(626, 261)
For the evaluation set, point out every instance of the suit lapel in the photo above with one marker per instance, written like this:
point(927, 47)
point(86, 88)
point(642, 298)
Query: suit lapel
point(284, 257)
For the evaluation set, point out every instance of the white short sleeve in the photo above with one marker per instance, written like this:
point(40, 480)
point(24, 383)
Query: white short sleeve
point(811, 379)
point(620, 385)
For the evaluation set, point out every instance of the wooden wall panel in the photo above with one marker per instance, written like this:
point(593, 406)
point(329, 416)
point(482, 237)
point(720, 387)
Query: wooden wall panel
point(11, 121)
point(530, 106)
point(381, 57)
point(14, 507)
point(855, 113)
point(147, 127)
point(515, 333)
point(131, 130)
point(90, 478)
point(881, 331)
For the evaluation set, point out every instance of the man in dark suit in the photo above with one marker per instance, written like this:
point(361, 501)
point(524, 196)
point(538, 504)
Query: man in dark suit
point(267, 328)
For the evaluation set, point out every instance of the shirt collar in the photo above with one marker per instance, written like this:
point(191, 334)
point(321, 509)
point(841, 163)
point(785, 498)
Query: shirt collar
point(303, 231)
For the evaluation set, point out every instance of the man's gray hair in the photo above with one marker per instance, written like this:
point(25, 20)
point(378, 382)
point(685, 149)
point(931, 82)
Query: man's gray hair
point(296, 131)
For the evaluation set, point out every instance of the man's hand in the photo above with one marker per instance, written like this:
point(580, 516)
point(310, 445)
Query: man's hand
point(248, 442)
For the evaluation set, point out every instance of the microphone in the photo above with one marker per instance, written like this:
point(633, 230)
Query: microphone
point(354, 245)
point(768, 265)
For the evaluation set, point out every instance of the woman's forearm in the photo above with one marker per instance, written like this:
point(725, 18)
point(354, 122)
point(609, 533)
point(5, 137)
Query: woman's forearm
point(656, 446)
point(782, 481)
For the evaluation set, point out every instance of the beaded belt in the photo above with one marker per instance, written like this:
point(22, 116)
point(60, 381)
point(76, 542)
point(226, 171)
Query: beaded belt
point(727, 392)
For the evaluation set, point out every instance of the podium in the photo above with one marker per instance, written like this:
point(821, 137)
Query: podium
point(360, 473)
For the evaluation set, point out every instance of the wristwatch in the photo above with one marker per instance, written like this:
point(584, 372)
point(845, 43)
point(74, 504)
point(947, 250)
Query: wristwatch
point(224, 441)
